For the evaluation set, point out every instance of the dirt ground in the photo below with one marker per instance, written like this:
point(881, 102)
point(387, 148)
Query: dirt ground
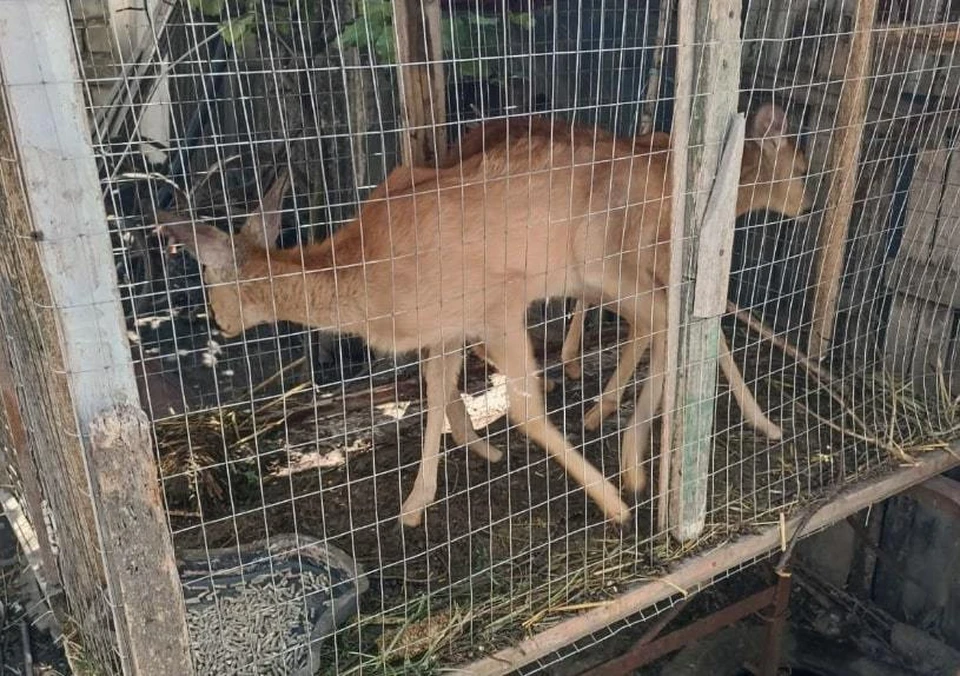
point(502, 539)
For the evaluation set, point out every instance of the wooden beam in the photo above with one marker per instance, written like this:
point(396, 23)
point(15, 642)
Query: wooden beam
point(845, 155)
point(422, 89)
point(691, 575)
point(46, 413)
point(708, 82)
point(137, 544)
point(63, 321)
point(715, 250)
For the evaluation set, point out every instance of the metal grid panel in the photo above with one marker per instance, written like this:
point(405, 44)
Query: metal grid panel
point(197, 106)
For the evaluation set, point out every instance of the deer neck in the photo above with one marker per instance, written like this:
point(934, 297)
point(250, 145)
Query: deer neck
point(754, 192)
point(309, 286)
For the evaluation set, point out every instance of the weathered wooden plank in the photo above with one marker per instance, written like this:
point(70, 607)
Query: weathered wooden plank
point(28, 324)
point(709, 60)
point(924, 200)
point(919, 343)
point(137, 546)
point(931, 346)
point(851, 115)
point(716, 235)
point(422, 89)
point(948, 227)
point(920, 279)
point(62, 316)
point(16, 454)
point(901, 327)
point(48, 122)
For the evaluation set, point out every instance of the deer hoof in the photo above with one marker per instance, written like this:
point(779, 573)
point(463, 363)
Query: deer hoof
point(486, 451)
point(635, 480)
point(596, 415)
point(410, 516)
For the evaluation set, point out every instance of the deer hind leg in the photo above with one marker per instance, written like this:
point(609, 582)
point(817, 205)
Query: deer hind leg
point(440, 372)
point(638, 341)
point(480, 351)
point(748, 405)
point(528, 410)
point(636, 437)
point(462, 430)
point(572, 343)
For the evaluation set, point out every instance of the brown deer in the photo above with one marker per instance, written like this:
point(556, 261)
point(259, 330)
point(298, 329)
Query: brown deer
point(461, 253)
point(768, 125)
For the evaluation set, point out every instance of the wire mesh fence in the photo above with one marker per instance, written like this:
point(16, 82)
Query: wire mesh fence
point(315, 304)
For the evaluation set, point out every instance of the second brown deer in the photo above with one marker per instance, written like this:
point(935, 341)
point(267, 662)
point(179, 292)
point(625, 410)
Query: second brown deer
point(459, 255)
point(769, 132)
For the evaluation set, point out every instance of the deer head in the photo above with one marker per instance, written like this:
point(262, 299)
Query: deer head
point(773, 172)
point(235, 268)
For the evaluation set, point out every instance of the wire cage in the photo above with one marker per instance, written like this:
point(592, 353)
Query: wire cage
point(791, 174)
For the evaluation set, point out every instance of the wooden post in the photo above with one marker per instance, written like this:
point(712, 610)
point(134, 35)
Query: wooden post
point(845, 155)
point(422, 89)
point(65, 336)
point(137, 543)
point(652, 94)
point(708, 82)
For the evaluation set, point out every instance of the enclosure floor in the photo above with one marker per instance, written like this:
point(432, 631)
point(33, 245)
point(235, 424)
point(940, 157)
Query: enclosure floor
point(509, 548)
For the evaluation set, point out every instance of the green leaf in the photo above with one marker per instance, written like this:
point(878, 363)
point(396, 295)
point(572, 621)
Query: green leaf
point(523, 19)
point(236, 31)
point(208, 7)
point(377, 11)
point(353, 35)
point(481, 20)
point(385, 47)
point(469, 70)
point(446, 38)
point(282, 20)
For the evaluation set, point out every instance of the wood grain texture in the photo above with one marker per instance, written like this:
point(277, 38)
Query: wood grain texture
point(28, 324)
point(716, 234)
point(137, 545)
point(422, 89)
point(60, 311)
point(713, 30)
point(845, 156)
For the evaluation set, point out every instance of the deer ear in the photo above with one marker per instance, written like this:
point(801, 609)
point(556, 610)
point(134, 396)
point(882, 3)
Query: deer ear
point(263, 227)
point(210, 246)
point(769, 123)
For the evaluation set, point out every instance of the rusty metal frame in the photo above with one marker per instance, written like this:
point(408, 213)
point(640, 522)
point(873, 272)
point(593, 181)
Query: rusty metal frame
point(708, 565)
point(650, 648)
point(644, 653)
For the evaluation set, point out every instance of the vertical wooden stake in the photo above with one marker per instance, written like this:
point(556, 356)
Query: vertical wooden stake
point(65, 335)
point(708, 81)
point(137, 545)
point(845, 155)
point(422, 89)
point(649, 110)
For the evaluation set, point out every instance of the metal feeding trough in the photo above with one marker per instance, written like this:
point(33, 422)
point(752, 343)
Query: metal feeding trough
point(267, 608)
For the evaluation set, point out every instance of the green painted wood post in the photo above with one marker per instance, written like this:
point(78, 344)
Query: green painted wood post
point(708, 83)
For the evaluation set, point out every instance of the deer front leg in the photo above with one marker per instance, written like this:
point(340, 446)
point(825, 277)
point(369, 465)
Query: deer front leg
point(461, 427)
point(636, 437)
point(514, 355)
point(440, 372)
point(638, 341)
point(572, 344)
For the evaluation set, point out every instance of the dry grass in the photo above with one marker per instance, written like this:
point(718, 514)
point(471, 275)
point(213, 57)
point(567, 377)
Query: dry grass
point(839, 429)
